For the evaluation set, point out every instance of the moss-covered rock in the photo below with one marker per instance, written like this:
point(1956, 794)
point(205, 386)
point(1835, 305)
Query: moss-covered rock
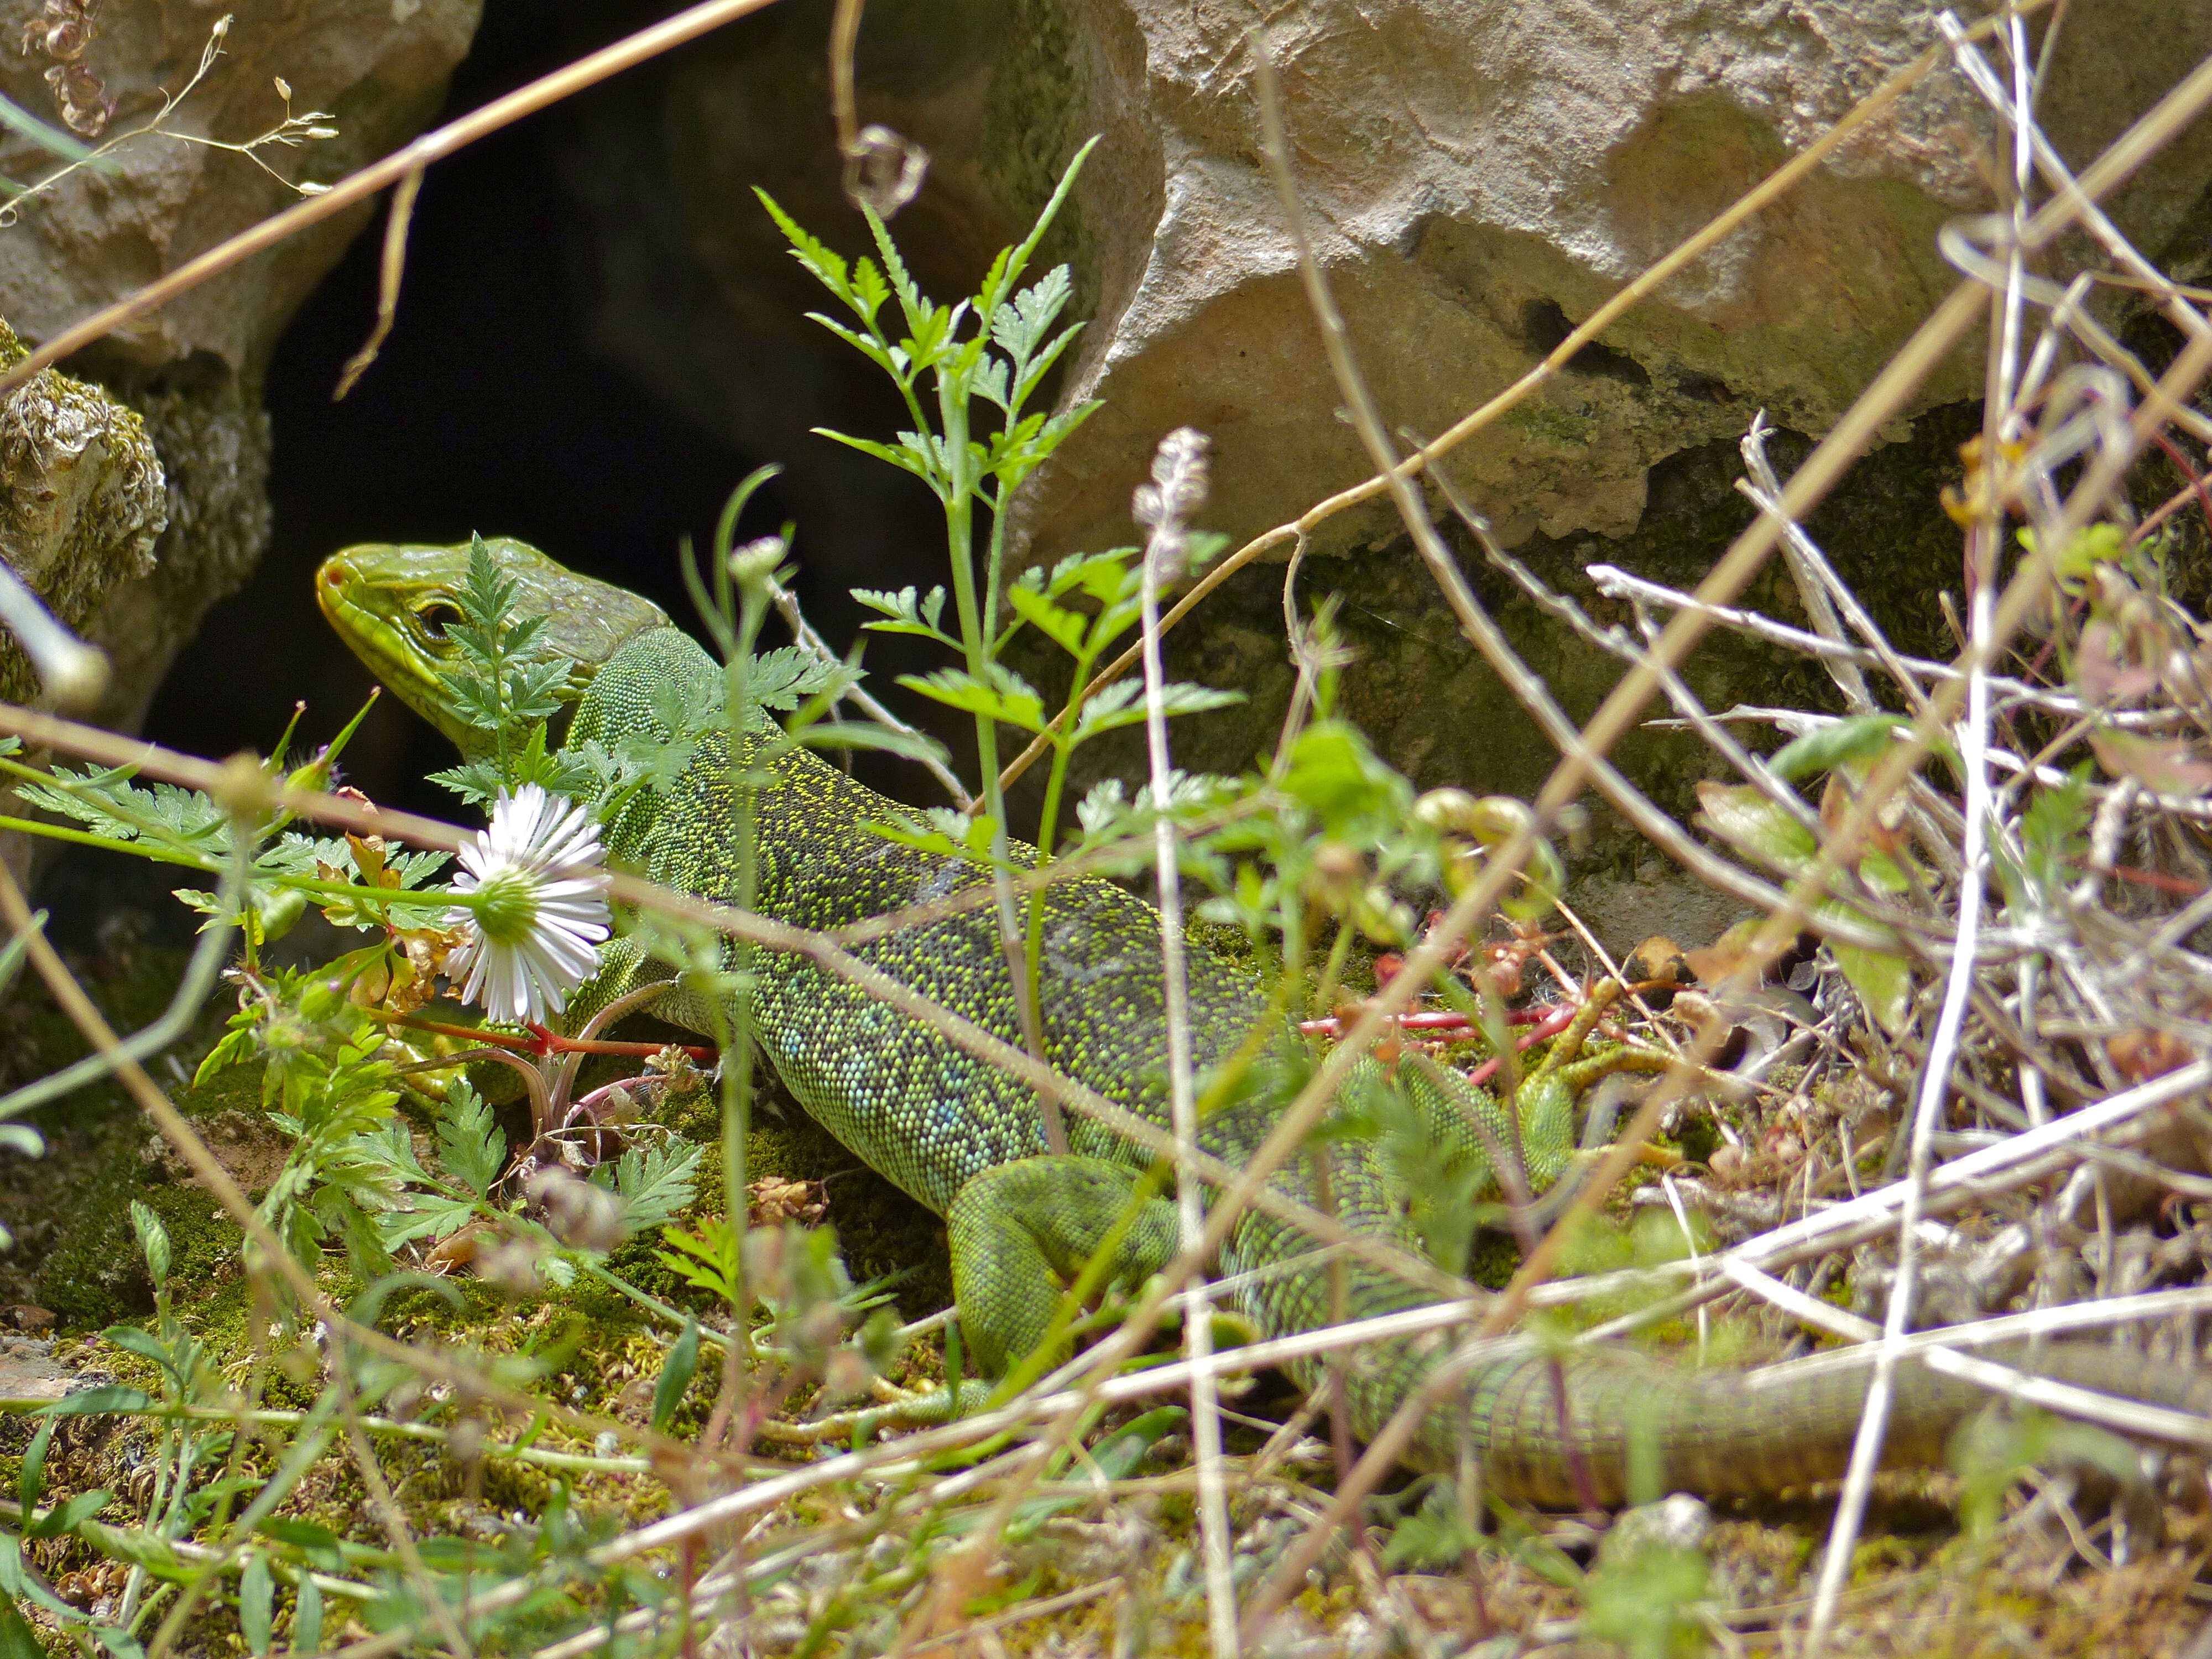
point(82, 500)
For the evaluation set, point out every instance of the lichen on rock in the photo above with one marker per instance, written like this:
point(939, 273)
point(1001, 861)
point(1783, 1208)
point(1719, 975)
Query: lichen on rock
point(82, 499)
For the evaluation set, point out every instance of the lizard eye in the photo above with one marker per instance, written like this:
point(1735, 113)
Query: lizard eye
point(435, 616)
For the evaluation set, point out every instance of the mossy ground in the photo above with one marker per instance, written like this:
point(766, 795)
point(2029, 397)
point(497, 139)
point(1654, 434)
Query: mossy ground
point(1920, 1584)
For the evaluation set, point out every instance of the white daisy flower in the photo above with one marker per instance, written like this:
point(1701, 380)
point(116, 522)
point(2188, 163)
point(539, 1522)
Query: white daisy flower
point(542, 909)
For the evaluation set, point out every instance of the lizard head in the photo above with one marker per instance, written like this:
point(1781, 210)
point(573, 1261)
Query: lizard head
point(392, 604)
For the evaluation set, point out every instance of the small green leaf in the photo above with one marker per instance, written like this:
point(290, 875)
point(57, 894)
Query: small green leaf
point(1760, 829)
point(1882, 979)
point(18, 1585)
point(31, 1479)
point(906, 613)
point(1006, 696)
point(1334, 772)
point(307, 1619)
point(1064, 628)
point(654, 1184)
point(708, 1259)
point(1861, 738)
point(2087, 548)
point(131, 1340)
point(318, 1544)
point(2054, 838)
point(826, 266)
point(917, 456)
point(866, 734)
point(784, 677)
point(16, 1641)
point(1122, 703)
point(64, 1516)
point(675, 1374)
point(256, 1603)
point(1989, 1451)
point(52, 139)
point(93, 1402)
point(471, 1144)
point(1436, 1536)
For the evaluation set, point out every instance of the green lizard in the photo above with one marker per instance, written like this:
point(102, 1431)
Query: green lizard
point(968, 1142)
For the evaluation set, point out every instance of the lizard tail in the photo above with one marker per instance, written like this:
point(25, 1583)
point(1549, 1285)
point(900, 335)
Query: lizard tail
point(1723, 1434)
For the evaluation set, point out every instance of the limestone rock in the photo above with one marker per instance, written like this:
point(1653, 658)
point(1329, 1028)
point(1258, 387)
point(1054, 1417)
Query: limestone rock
point(215, 438)
point(1478, 178)
point(193, 369)
point(378, 66)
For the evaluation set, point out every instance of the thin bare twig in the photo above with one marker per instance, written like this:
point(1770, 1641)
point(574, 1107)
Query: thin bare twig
point(1177, 491)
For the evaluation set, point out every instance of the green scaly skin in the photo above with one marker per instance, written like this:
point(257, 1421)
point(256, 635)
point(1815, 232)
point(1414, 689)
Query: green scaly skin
point(967, 1142)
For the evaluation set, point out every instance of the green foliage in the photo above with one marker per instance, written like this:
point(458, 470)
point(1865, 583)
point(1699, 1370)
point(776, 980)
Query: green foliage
point(676, 1375)
point(1860, 738)
point(2054, 839)
point(437, 1203)
point(329, 1084)
point(1990, 1450)
point(984, 359)
point(1437, 1536)
point(996, 349)
point(186, 1479)
point(162, 817)
point(256, 1595)
point(353, 1175)
point(1766, 832)
point(654, 1184)
point(471, 1144)
point(2094, 544)
point(710, 1260)
point(1270, 870)
point(1646, 1597)
point(907, 613)
point(503, 682)
point(281, 871)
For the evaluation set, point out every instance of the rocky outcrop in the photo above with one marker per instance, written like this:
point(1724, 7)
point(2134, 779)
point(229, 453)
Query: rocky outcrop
point(1479, 178)
point(172, 182)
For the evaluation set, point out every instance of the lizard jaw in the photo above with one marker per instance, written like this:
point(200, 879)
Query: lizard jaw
point(372, 614)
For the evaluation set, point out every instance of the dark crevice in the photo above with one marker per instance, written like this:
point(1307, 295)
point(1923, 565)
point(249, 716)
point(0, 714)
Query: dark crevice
point(486, 410)
point(1546, 327)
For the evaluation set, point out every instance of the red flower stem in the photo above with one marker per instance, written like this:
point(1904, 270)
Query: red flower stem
point(554, 1043)
point(1559, 1020)
point(2177, 885)
point(542, 1042)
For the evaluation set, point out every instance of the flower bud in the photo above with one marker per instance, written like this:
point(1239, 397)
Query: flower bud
point(1338, 874)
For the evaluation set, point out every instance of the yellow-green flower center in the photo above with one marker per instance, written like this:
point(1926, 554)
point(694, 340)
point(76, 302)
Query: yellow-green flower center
point(507, 908)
